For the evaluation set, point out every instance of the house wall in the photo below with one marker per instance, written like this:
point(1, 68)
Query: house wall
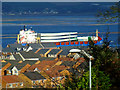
point(26, 81)
point(14, 71)
point(12, 57)
point(12, 85)
point(7, 72)
point(4, 68)
point(50, 55)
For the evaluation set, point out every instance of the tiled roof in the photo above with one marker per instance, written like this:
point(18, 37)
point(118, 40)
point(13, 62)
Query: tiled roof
point(29, 54)
point(34, 75)
point(43, 64)
point(11, 79)
point(54, 71)
point(65, 59)
point(42, 51)
point(54, 51)
point(48, 62)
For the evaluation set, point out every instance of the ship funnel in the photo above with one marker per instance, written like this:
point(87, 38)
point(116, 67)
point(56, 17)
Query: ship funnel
point(96, 32)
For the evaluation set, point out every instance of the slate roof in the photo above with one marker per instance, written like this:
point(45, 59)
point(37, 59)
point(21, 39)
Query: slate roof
point(83, 65)
point(17, 65)
point(64, 52)
point(46, 58)
point(68, 63)
point(34, 75)
point(35, 45)
point(17, 57)
point(34, 50)
point(2, 64)
point(54, 51)
point(15, 45)
point(48, 45)
point(31, 62)
point(74, 72)
point(42, 51)
point(29, 54)
point(20, 65)
point(7, 49)
point(69, 47)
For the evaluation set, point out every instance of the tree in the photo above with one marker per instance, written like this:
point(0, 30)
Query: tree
point(113, 64)
point(110, 15)
point(100, 81)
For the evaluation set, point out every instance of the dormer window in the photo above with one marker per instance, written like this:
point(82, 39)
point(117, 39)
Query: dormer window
point(15, 71)
point(47, 69)
point(21, 84)
point(24, 49)
point(18, 49)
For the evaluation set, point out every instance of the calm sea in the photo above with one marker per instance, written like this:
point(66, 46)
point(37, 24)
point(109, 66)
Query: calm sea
point(82, 24)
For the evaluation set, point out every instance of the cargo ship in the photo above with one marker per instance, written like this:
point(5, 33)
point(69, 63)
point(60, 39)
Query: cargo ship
point(59, 39)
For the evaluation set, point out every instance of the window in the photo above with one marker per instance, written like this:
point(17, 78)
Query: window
point(21, 84)
point(16, 85)
point(15, 71)
point(33, 82)
point(10, 85)
point(60, 78)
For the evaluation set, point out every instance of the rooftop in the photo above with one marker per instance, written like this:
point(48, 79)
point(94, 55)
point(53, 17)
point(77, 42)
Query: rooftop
point(29, 54)
point(42, 51)
point(34, 75)
point(11, 79)
point(54, 51)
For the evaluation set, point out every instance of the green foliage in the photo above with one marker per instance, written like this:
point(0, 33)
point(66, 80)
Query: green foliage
point(110, 15)
point(99, 81)
point(71, 82)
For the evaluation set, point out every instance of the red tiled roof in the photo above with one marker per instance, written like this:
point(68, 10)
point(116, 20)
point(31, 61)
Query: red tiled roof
point(53, 71)
point(65, 59)
point(43, 64)
point(11, 79)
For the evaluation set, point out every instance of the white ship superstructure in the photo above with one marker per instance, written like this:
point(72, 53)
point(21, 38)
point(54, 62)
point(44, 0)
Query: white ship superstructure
point(27, 36)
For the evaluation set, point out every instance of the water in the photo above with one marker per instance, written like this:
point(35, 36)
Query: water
point(82, 24)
